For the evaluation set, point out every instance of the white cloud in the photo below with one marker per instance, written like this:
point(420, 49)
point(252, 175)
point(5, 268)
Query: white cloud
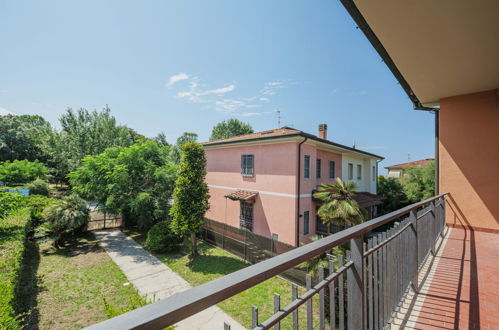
point(5, 112)
point(218, 100)
point(176, 78)
point(252, 114)
point(271, 87)
point(229, 106)
point(222, 90)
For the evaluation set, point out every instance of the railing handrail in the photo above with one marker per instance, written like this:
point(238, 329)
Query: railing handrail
point(187, 303)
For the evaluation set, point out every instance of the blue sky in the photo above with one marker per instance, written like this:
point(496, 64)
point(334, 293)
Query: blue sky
point(176, 66)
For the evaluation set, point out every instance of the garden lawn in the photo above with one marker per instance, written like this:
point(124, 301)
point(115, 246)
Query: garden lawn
point(72, 282)
point(214, 263)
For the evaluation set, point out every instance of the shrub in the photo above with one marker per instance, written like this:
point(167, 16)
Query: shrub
point(63, 219)
point(13, 231)
point(21, 171)
point(161, 238)
point(37, 203)
point(9, 202)
point(38, 187)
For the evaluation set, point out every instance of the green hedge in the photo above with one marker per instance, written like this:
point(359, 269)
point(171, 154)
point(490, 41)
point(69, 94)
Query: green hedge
point(13, 237)
point(9, 202)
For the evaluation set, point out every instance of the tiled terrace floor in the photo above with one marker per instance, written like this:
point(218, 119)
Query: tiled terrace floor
point(464, 290)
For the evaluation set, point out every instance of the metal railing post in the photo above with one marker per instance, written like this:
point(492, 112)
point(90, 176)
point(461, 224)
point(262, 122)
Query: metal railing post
point(442, 226)
point(413, 220)
point(355, 278)
point(433, 225)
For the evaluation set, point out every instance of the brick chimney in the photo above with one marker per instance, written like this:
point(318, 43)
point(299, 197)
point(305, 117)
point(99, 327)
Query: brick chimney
point(323, 131)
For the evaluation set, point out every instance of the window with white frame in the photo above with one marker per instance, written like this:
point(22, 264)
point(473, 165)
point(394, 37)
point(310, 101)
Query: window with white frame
point(359, 172)
point(350, 171)
point(374, 173)
point(318, 168)
point(247, 165)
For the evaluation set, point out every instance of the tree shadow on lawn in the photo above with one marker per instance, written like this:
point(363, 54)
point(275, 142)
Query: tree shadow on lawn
point(29, 286)
point(81, 244)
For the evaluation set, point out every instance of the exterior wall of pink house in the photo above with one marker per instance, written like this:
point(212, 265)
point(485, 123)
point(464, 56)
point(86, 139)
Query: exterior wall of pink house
point(275, 179)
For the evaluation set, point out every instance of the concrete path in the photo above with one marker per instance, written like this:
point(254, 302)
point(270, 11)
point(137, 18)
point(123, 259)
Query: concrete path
point(154, 279)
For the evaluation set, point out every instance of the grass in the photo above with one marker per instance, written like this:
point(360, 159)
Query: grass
point(72, 282)
point(214, 263)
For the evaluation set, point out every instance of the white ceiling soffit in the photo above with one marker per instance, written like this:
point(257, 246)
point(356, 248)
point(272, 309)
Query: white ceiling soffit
point(441, 47)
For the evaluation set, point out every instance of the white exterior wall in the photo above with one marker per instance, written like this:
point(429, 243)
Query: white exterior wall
point(366, 183)
point(394, 173)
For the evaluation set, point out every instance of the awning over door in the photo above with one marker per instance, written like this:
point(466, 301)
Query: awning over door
point(242, 195)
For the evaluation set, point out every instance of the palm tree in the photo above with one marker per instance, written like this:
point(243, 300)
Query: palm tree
point(63, 219)
point(339, 206)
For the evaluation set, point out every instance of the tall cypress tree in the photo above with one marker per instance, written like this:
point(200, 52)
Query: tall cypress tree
point(190, 196)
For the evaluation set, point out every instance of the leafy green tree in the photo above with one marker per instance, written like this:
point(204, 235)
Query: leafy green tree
point(392, 189)
point(419, 183)
point(230, 128)
point(86, 133)
point(176, 151)
point(21, 171)
point(23, 137)
point(190, 197)
point(161, 139)
point(137, 181)
point(339, 205)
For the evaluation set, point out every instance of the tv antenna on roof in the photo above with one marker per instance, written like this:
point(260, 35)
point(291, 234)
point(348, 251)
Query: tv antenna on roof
point(408, 157)
point(278, 118)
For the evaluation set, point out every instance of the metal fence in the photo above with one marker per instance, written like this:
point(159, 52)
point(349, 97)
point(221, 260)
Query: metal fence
point(362, 292)
point(249, 246)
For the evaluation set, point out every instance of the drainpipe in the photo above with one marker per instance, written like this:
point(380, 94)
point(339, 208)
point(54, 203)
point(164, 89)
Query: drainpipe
point(297, 224)
point(377, 174)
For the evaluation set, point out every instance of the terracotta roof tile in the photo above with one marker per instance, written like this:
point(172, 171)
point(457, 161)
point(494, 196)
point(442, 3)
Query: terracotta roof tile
point(273, 132)
point(366, 199)
point(241, 195)
point(414, 164)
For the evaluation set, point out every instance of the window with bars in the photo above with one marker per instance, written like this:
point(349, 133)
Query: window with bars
point(318, 168)
point(306, 167)
point(246, 216)
point(306, 222)
point(247, 164)
point(332, 169)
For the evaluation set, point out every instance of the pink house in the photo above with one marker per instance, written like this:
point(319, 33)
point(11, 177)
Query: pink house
point(263, 181)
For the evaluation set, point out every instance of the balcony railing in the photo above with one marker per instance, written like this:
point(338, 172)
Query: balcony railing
point(367, 287)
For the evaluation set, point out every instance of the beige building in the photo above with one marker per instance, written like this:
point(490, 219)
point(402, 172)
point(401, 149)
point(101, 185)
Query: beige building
point(397, 171)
